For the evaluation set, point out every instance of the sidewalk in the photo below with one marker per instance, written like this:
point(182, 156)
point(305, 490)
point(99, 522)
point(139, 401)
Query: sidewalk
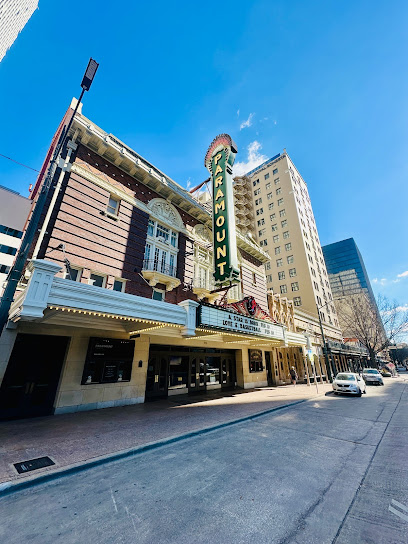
point(72, 439)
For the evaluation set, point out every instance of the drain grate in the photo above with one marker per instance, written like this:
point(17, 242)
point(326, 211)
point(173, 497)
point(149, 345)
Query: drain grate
point(33, 464)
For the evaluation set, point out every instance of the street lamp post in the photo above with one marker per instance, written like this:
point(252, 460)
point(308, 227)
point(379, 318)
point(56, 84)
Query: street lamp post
point(18, 266)
point(326, 355)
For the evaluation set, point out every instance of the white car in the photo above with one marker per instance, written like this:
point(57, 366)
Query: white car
point(371, 375)
point(349, 383)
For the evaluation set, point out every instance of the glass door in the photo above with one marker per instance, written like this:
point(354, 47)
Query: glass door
point(197, 374)
point(156, 379)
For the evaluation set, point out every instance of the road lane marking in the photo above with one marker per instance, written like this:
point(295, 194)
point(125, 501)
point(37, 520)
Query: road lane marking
point(397, 512)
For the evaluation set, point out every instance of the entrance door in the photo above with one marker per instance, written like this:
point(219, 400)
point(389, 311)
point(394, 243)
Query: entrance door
point(31, 380)
point(197, 376)
point(156, 380)
point(227, 372)
point(269, 368)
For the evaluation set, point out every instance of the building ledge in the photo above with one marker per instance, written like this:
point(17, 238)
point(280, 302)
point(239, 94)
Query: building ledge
point(154, 277)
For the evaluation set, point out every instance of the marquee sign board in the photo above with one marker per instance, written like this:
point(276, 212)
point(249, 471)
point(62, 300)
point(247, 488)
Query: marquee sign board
point(219, 160)
point(218, 318)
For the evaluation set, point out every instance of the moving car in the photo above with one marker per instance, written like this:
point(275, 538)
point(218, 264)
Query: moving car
point(371, 375)
point(349, 383)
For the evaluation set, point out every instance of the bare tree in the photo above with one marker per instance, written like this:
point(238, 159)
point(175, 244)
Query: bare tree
point(374, 326)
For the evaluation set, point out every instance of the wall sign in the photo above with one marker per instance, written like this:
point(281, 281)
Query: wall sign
point(108, 360)
point(219, 160)
point(218, 318)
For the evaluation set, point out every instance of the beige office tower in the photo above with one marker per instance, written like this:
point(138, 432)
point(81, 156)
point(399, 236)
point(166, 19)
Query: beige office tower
point(14, 15)
point(286, 229)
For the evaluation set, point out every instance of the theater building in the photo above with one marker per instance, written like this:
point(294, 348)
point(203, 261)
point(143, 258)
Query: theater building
point(118, 304)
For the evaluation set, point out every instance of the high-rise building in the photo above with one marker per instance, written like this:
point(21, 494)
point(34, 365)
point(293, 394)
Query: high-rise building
point(345, 266)
point(286, 229)
point(14, 15)
point(14, 210)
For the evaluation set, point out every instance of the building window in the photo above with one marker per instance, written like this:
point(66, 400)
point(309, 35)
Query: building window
point(158, 294)
point(259, 211)
point(297, 301)
point(283, 289)
point(266, 176)
point(261, 222)
point(270, 205)
point(150, 227)
point(119, 285)
point(161, 249)
point(319, 301)
point(8, 250)
point(280, 201)
point(269, 196)
point(282, 213)
point(275, 171)
point(295, 286)
point(97, 280)
point(268, 266)
point(272, 216)
point(279, 191)
point(255, 360)
point(284, 223)
point(73, 273)
point(279, 262)
point(290, 259)
point(312, 270)
point(276, 239)
point(310, 258)
point(113, 205)
point(286, 234)
point(263, 243)
point(258, 201)
point(257, 192)
point(11, 232)
point(277, 250)
point(288, 246)
point(274, 227)
point(281, 275)
point(255, 182)
point(276, 181)
point(253, 278)
point(269, 278)
point(292, 272)
point(268, 186)
point(4, 269)
point(261, 232)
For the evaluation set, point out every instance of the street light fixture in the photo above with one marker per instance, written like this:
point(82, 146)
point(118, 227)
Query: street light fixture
point(17, 268)
point(329, 366)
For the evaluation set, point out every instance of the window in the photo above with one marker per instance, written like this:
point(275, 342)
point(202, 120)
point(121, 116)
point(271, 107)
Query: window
point(283, 289)
point(284, 223)
point(261, 222)
point(108, 360)
point(113, 205)
point(162, 232)
point(270, 205)
point(288, 246)
point(312, 270)
point(8, 250)
point(119, 285)
point(258, 201)
point(275, 171)
point(257, 192)
point(255, 360)
point(290, 259)
point(276, 181)
point(97, 280)
point(268, 266)
point(268, 186)
point(310, 258)
point(295, 286)
point(297, 301)
point(292, 272)
point(158, 294)
point(259, 211)
point(279, 191)
point(150, 228)
point(255, 182)
point(261, 232)
point(286, 234)
point(11, 232)
point(280, 201)
point(266, 176)
point(281, 275)
point(274, 227)
point(269, 196)
point(282, 213)
point(161, 249)
point(269, 278)
point(272, 216)
point(4, 269)
point(73, 273)
point(277, 250)
point(253, 278)
point(279, 262)
point(276, 239)
point(319, 301)
point(263, 243)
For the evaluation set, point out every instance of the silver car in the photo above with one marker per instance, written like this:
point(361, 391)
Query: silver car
point(349, 383)
point(371, 375)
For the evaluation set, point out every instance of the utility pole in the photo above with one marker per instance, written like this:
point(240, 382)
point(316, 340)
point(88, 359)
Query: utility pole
point(326, 355)
point(32, 227)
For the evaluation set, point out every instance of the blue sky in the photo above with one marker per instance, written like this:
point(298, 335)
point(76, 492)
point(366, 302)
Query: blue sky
point(326, 80)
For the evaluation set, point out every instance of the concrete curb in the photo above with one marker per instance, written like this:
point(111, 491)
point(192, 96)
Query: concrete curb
point(12, 486)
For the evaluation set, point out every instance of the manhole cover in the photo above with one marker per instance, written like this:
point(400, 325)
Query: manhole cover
point(33, 464)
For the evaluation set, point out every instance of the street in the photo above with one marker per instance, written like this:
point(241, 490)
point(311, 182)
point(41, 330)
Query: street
point(323, 471)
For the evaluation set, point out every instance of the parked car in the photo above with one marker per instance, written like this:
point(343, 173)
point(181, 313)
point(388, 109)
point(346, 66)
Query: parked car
point(349, 383)
point(371, 375)
point(385, 373)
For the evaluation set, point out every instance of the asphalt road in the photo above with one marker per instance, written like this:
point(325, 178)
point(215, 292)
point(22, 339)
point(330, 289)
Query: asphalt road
point(320, 472)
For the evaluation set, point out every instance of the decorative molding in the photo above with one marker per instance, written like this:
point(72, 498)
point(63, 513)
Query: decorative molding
point(165, 212)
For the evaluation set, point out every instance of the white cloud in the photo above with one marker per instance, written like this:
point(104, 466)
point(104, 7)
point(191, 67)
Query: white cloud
point(188, 183)
point(403, 275)
point(402, 308)
point(237, 113)
point(255, 158)
point(247, 123)
point(275, 122)
point(382, 281)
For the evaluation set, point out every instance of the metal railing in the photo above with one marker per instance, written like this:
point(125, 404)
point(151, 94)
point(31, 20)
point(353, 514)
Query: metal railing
point(158, 266)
